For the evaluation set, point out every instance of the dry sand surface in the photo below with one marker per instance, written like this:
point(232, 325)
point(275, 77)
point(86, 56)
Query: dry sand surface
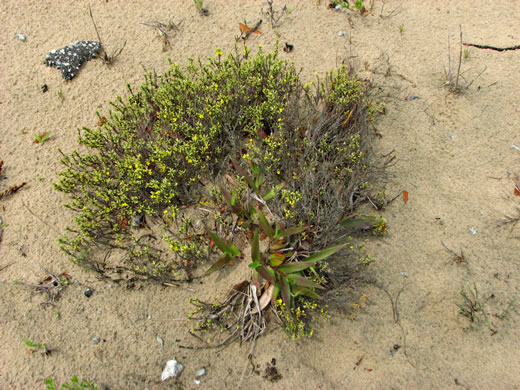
point(454, 157)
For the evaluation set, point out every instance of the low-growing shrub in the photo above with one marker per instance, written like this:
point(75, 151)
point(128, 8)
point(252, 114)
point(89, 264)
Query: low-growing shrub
point(211, 154)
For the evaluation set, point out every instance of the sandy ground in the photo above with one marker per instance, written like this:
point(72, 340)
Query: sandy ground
point(454, 158)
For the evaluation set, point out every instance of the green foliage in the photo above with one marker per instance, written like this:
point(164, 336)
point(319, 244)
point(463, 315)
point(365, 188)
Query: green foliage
point(74, 384)
point(40, 139)
point(157, 148)
point(358, 4)
point(279, 166)
point(30, 344)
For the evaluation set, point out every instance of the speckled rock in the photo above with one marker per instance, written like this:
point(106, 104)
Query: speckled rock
point(70, 58)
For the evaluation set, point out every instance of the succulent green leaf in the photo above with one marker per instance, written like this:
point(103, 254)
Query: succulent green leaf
point(286, 291)
point(266, 273)
point(304, 282)
point(225, 246)
point(355, 222)
point(220, 263)
point(292, 231)
point(255, 248)
point(305, 291)
point(323, 254)
point(296, 266)
point(266, 227)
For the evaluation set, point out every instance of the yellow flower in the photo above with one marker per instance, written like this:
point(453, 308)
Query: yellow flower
point(219, 52)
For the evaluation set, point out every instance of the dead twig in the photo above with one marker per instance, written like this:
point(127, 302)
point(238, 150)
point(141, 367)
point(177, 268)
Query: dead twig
point(274, 15)
point(517, 47)
point(166, 30)
point(395, 315)
point(459, 259)
point(52, 285)
point(107, 59)
point(240, 314)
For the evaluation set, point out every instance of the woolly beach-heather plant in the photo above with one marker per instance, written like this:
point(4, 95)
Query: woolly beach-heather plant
point(204, 155)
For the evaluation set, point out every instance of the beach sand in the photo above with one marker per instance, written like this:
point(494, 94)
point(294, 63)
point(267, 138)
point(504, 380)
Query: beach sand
point(454, 158)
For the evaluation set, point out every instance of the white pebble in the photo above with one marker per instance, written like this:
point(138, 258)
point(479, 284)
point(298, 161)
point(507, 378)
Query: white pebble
point(172, 369)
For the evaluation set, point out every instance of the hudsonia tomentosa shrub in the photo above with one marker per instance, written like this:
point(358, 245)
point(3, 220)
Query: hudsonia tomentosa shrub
point(161, 150)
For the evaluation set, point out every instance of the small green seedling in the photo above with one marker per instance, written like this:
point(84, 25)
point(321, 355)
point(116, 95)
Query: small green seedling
point(41, 138)
point(60, 94)
point(401, 28)
point(200, 7)
point(37, 347)
point(74, 384)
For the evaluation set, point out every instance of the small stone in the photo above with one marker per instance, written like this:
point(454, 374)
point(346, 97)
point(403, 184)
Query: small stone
point(196, 381)
point(95, 340)
point(44, 88)
point(200, 372)
point(21, 37)
point(473, 230)
point(342, 33)
point(160, 340)
point(405, 274)
point(88, 292)
point(99, 312)
point(173, 368)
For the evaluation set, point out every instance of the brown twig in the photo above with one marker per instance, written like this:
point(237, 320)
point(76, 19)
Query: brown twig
point(517, 47)
point(253, 29)
point(52, 285)
point(458, 258)
point(107, 59)
point(165, 30)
